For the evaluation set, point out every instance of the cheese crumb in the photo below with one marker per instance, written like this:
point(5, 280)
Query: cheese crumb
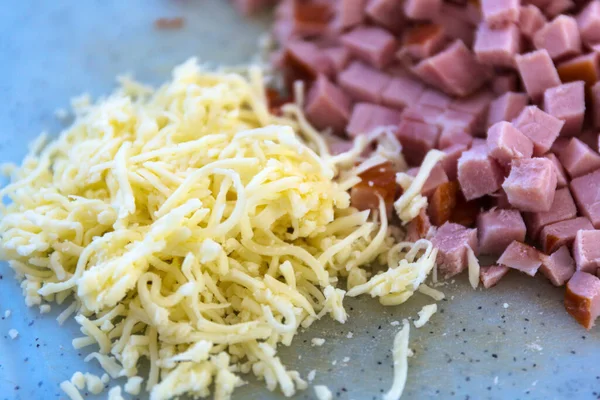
point(495, 380)
point(431, 292)
point(317, 342)
point(13, 333)
point(70, 390)
point(78, 379)
point(400, 353)
point(346, 359)
point(323, 393)
point(105, 378)
point(45, 308)
point(334, 362)
point(425, 314)
point(115, 393)
point(349, 335)
point(505, 305)
point(311, 375)
point(133, 385)
point(474, 268)
point(93, 383)
point(7, 313)
point(395, 323)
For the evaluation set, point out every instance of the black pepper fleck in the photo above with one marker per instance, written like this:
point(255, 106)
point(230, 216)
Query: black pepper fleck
point(495, 355)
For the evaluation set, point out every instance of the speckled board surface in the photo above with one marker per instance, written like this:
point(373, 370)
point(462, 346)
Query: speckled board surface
point(474, 348)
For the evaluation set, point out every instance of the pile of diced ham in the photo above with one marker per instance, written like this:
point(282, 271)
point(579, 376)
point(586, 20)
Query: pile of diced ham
point(508, 89)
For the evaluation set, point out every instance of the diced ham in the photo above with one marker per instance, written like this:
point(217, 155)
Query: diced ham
point(502, 83)
point(379, 181)
point(437, 176)
point(557, 7)
point(507, 107)
point(478, 173)
point(586, 191)
point(350, 13)
point(521, 257)
point(443, 202)
point(498, 13)
point(497, 47)
point(560, 38)
point(562, 233)
point(386, 13)
point(366, 117)
point(418, 227)
point(588, 21)
point(582, 298)
point(507, 143)
point(497, 229)
point(567, 103)
point(583, 68)
point(451, 241)
point(458, 119)
point(422, 41)
point(250, 7)
point(531, 184)
point(586, 249)
point(310, 19)
point(450, 160)
point(454, 27)
point(490, 276)
point(373, 45)
point(561, 177)
point(563, 208)
point(422, 9)
point(531, 20)
point(422, 113)
point(434, 98)
point(327, 106)
point(578, 159)
point(558, 267)
point(363, 83)
point(339, 57)
point(402, 92)
point(541, 128)
point(417, 139)
point(454, 135)
point(337, 145)
point(477, 104)
point(305, 60)
point(500, 200)
point(453, 70)
point(537, 72)
point(595, 97)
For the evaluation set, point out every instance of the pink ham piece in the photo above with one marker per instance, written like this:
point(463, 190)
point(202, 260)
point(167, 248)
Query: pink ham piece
point(595, 97)
point(373, 45)
point(582, 298)
point(586, 191)
point(434, 98)
point(500, 200)
point(497, 229)
point(498, 13)
point(521, 257)
point(560, 38)
point(307, 59)
point(497, 47)
point(588, 21)
point(454, 70)
point(567, 103)
point(327, 106)
point(366, 117)
point(586, 249)
point(249, 7)
point(452, 241)
point(422, 41)
point(450, 160)
point(502, 83)
point(422, 9)
point(337, 145)
point(477, 104)
point(455, 27)
point(418, 227)
point(459, 119)
point(350, 13)
point(557, 7)
point(558, 267)
point(490, 276)
point(422, 113)
point(417, 138)
point(561, 177)
point(531, 184)
point(338, 57)
point(579, 159)
point(386, 13)
point(402, 92)
point(537, 72)
point(531, 20)
point(454, 135)
point(563, 208)
point(507, 143)
point(363, 83)
point(507, 107)
point(437, 176)
point(478, 173)
point(541, 128)
point(562, 233)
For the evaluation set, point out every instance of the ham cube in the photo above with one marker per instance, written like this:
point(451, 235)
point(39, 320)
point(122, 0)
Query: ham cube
point(418, 228)
point(417, 138)
point(531, 20)
point(582, 298)
point(557, 7)
point(455, 27)
point(502, 83)
point(454, 70)
point(490, 276)
point(562, 233)
point(531, 184)
point(499, 13)
point(386, 13)
point(588, 21)
point(434, 98)
point(541, 128)
point(497, 47)
point(436, 177)
point(521, 257)
point(583, 68)
point(422, 41)
point(339, 57)
point(327, 106)
point(595, 97)
point(478, 173)
point(366, 117)
point(402, 92)
point(422, 113)
point(586, 191)
point(450, 160)
point(373, 45)
point(586, 250)
point(500, 200)
point(458, 119)
point(558, 267)
point(453, 135)
point(306, 60)
point(250, 7)
point(443, 202)
point(561, 176)
point(477, 104)
point(338, 145)
point(507, 143)
point(579, 159)
point(560, 38)
point(567, 103)
point(563, 208)
point(499, 228)
point(350, 13)
point(422, 9)
point(507, 107)
point(537, 72)
point(363, 83)
point(452, 241)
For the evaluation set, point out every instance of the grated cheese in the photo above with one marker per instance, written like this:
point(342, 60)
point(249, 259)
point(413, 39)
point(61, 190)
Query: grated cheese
point(311, 375)
point(473, 264)
point(13, 333)
point(431, 292)
point(70, 390)
point(317, 342)
point(45, 308)
point(323, 393)
point(133, 385)
point(7, 313)
point(400, 354)
point(425, 314)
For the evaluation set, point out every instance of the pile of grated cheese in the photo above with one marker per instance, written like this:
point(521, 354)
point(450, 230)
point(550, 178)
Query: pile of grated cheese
point(189, 228)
